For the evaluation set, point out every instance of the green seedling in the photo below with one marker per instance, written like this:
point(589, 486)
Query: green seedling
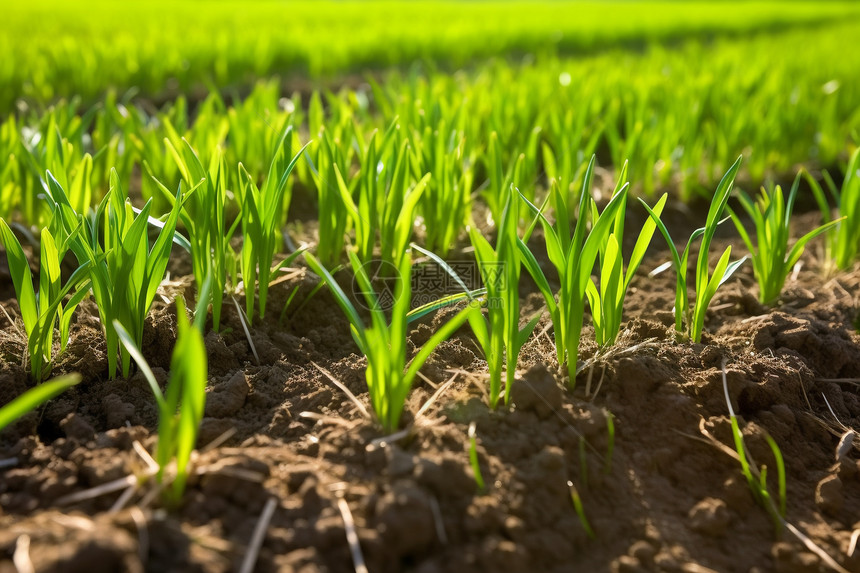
point(843, 241)
point(44, 310)
point(499, 334)
point(333, 214)
point(690, 320)
point(67, 161)
point(399, 208)
point(35, 397)
point(771, 258)
point(124, 271)
point(501, 180)
point(566, 164)
point(180, 409)
point(261, 214)
point(583, 463)
point(473, 457)
point(386, 204)
point(204, 218)
point(573, 257)
point(606, 297)
point(365, 213)
point(445, 204)
point(757, 478)
point(580, 510)
point(383, 343)
point(610, 431)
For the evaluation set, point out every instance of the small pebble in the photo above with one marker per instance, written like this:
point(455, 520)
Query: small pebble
point(710, 517)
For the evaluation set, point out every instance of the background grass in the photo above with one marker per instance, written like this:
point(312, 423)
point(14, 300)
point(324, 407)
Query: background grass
point(63, 49)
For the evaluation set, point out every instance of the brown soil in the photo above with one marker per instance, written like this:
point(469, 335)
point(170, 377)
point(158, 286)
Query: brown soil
point(666, 499)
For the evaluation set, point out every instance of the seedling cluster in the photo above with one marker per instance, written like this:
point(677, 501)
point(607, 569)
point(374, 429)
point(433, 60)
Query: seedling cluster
point(377, 205)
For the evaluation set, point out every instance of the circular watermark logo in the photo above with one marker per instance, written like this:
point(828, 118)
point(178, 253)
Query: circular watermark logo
point(383, 277)
point(428, 283)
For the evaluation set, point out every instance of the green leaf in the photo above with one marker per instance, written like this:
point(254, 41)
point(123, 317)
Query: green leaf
point(715, 212)
point(406, 218)
point(159, 256)
point(481, 332)
point(643, 241)
point(596, 238)
point(446, 301)
point(483, 250)
point(35, 397)
point(341, 299)
point(800, 244)
point(533, 268)
point(188, 367)
point(705, 295)
point(527, 330)
point(132, 349)
point(22, 278)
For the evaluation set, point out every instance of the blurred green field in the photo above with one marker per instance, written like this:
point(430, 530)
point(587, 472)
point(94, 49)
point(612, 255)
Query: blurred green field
point(680, 115)
point(62, 49)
